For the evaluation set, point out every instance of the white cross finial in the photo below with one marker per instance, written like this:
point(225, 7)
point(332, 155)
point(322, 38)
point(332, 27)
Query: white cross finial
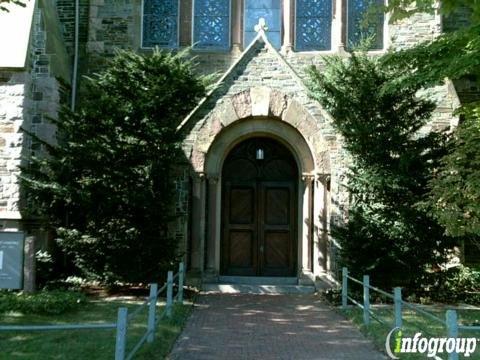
point(261, 26)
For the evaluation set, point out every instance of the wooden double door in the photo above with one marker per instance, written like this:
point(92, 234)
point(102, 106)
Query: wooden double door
point(259, 210)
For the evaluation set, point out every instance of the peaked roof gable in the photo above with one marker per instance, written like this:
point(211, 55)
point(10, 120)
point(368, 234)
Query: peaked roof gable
point(260, 39)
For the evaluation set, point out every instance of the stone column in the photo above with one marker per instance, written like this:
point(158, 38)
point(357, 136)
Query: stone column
point(339, 25)
point(287, 26)
point(237, 10)
point(321, 221)
point(198, 221)
point(307, 181)
point(212, 225)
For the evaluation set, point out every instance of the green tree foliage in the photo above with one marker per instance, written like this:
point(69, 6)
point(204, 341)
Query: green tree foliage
point(107, 187)
point(455, 189)
point(400, 9)
point(3, 4)
point(387, 232)
point(454, 200)
point(451, 55)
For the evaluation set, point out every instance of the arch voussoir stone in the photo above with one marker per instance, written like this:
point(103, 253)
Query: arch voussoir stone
point(242, 103)
point(260, 103)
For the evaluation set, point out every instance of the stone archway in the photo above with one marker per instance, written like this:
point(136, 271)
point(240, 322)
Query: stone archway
point(266, 113)
point(261, 103)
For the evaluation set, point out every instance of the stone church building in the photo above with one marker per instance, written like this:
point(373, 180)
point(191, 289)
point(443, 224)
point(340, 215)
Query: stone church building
point(264, 171)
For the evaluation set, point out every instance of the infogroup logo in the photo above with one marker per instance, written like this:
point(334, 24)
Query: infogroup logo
point(431, 347)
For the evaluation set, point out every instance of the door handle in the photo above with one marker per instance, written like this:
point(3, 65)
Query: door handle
point(261, 248)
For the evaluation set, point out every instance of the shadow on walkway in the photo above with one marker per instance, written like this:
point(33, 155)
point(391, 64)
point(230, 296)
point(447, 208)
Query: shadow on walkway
point(269, 327)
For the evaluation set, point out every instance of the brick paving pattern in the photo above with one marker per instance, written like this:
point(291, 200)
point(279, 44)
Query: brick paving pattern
point(269, 327)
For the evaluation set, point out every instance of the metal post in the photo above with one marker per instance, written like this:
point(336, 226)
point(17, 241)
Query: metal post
point(344, 287)
point(181, 274)
point(121, 337)
point(366, 299)
point(169, 294)
point(152, 307)
point(452, 330)
point(397, 300)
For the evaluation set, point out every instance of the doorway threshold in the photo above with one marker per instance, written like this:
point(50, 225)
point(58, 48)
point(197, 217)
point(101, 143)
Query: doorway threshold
point(258, 280)
point(257, 285)
point(258, 289)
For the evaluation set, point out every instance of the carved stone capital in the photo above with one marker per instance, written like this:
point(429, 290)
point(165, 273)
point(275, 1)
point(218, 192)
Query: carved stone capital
point(324, 178)
point(308, 177)
point(198, 176)
point(213, 178)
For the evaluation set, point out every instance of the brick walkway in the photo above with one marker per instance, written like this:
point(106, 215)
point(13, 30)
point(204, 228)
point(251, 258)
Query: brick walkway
point(264, 327)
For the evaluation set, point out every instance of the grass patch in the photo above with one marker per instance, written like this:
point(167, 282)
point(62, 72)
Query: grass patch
point(88, 344)
point(413, 323)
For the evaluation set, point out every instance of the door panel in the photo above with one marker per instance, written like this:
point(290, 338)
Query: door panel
point(241, 249)
point(276, 230)
point(277, 206)
point(239, 246)
point(276, 249)
point(241, 206)
point(259, 201)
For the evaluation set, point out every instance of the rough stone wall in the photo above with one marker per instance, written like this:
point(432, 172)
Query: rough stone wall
point(14, 98)
point(457, 20)
point(413, 30)
point(182, 205)
point(66, 14)
point(45, 90)
point(114, 24)
point(27, 97)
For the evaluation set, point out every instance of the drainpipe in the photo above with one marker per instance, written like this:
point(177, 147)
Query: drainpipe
point(75, 56)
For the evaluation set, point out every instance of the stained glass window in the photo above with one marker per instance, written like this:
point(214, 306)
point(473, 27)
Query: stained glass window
point(160, 23)
point(365, 20)
point(270, 11)
point(211, 29)
point(313, 25)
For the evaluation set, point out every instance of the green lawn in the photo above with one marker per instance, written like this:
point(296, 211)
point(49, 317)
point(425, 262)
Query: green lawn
point(413, 323)
point(88, 344)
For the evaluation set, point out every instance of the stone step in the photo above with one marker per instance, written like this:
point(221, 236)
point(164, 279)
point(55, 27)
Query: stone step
point(258, 280)
point(257, 289)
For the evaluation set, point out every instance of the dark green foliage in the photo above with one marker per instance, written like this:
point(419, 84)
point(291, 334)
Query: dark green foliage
point(43, 302)
point(387, 233)
point(107, 189)
point(451, 55)
point(456, 285)
point(400, 9)
point(455, 190)
point(44, 266)
point(5, 2)
point(455, 199)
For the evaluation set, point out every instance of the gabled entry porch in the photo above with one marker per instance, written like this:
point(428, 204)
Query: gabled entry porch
point(259, 206)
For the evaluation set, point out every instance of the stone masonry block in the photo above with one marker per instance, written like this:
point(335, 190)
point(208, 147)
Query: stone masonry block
point(226, 113)
point(242, 104)
point(260, 97)
point(278, 104)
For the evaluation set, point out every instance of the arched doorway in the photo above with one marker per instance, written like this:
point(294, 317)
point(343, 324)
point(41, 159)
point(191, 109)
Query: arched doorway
point(259, 207)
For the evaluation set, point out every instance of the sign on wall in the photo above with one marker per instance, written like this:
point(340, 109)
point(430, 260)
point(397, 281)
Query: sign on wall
point(11, 259)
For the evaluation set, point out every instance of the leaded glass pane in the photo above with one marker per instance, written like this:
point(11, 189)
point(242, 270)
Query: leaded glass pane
point(270, 10)
point(160, 23)
point(212, 24)
point(313, 25)
point(365, 19)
